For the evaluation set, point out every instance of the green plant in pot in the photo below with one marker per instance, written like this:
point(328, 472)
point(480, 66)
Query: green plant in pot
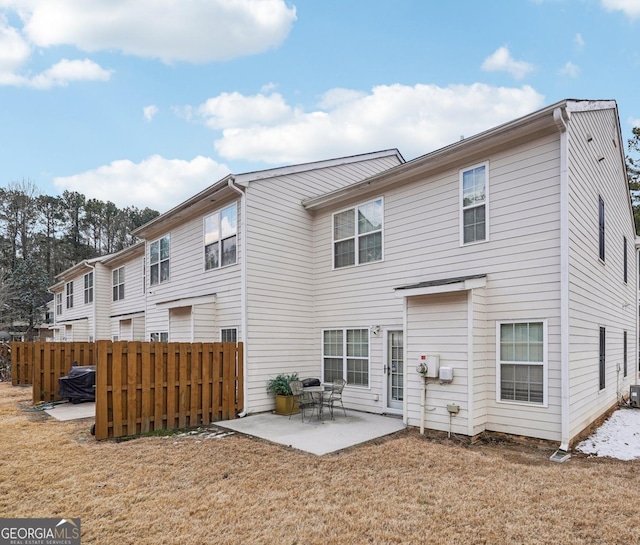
point(279, 386)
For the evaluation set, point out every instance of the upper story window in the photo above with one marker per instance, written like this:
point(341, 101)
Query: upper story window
point(59, 304)
point(69, 291)
point(474, 190)
point(88, 288)
point(357, 235)
point(601, 227)
point(220, 234)
point(118, 284)
point(522, 362)
point(159, 260)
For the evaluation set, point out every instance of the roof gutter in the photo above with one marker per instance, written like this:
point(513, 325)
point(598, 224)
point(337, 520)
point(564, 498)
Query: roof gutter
point(231, 183)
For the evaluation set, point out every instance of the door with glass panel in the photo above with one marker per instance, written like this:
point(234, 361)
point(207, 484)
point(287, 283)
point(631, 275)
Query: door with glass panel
point(393, 369)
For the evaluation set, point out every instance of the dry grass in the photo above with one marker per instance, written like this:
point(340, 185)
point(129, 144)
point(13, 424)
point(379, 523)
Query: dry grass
point(405, 489)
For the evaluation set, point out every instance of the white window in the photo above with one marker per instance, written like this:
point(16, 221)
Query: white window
point(229, 335)
point(220, 234)
point(345, 355)
point(159, 260)
point(521, 348)
point(59, 304)
point(88, 288)
point(118, 284)
point(159, 337)
point(69, 290)
point(474, 192)
point(357, 235)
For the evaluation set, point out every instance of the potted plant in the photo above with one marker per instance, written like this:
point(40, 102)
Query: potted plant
point(279, 386)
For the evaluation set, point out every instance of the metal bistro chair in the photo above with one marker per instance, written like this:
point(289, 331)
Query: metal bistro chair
point(335, 396)
point(301, 399)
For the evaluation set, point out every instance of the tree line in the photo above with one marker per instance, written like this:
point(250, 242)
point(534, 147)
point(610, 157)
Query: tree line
point(43, 235)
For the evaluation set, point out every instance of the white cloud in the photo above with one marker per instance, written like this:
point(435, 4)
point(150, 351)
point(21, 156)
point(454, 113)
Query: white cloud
point(61, 73)
point(190, 30)
point(634, 122)
point(569, 69)
point(414, 119)
point(579, 41)
point(502, 61)
point(155, 182)
point(631, 8)
point(150, 112)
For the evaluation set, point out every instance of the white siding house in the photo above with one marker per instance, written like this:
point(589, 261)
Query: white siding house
point(505, 263)
point(490, 257)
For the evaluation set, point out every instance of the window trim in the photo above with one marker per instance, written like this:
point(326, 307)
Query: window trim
point(625, 354)
point(625, 258)
point(462, 208)
point(59, 304)
point(601, 229)
point(118, 285)
point(345, 357)
point(220, 238)
point(88, 290)
point(356, 235)
point(158, 241)
point(161, 335)
point(68, 288)
point(544, 364)
point(602, 359)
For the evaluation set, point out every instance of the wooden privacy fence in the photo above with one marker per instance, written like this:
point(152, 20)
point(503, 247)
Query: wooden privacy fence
point(142, 386)
point(43, 363)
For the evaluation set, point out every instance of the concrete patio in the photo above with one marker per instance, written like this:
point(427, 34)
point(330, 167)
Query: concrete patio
point(316, 436)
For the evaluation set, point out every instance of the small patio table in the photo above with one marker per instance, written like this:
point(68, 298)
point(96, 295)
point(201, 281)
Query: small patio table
point(318, 393)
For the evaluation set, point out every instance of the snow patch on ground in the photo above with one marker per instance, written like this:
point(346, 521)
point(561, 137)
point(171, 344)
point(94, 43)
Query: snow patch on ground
point(618, 437)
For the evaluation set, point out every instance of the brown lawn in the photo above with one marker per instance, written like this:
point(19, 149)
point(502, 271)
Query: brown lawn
point(404, 489)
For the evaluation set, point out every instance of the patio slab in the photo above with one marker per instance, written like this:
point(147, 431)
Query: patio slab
point(316, 436)
point(72, 411)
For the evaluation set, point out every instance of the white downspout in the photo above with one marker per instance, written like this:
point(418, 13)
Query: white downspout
point(243, 288)
point(95, 299)
point(561, 116)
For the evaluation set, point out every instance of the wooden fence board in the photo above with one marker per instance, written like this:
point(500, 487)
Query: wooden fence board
point(152, 386)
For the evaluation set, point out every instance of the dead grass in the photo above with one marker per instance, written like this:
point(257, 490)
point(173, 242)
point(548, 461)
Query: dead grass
point(405, 489)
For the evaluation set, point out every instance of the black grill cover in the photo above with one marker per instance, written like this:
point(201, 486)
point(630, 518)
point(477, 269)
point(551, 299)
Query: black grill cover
point(307, 382)
point(79, 384)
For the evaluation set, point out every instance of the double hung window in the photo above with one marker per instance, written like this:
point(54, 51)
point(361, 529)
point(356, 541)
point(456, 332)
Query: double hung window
point(220, 238)
point(69, 291)
point(159, 260)
point(357, 235)
point(118, 284)
point(522, 349)
point(59, 304)
point(474, 186)
point(346, 355)
point(229, 335)
point(88, 288)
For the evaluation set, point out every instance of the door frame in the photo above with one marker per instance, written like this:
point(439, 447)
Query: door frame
point(385, 379)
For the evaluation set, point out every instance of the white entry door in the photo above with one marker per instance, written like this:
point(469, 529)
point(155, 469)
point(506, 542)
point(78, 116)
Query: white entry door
point(394, 371)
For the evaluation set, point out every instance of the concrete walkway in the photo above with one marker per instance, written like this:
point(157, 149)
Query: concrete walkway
point(316, 436)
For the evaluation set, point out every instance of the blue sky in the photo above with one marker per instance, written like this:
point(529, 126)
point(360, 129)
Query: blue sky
point(146, 102)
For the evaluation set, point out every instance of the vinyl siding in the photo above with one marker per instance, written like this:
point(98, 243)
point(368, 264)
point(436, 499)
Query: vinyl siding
point(282, 336)
point(422, 242)
point(438, 326)
point(188, 277)
point(102, 301)
point(180, 325)
point(598, 295)
point(134, 301)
